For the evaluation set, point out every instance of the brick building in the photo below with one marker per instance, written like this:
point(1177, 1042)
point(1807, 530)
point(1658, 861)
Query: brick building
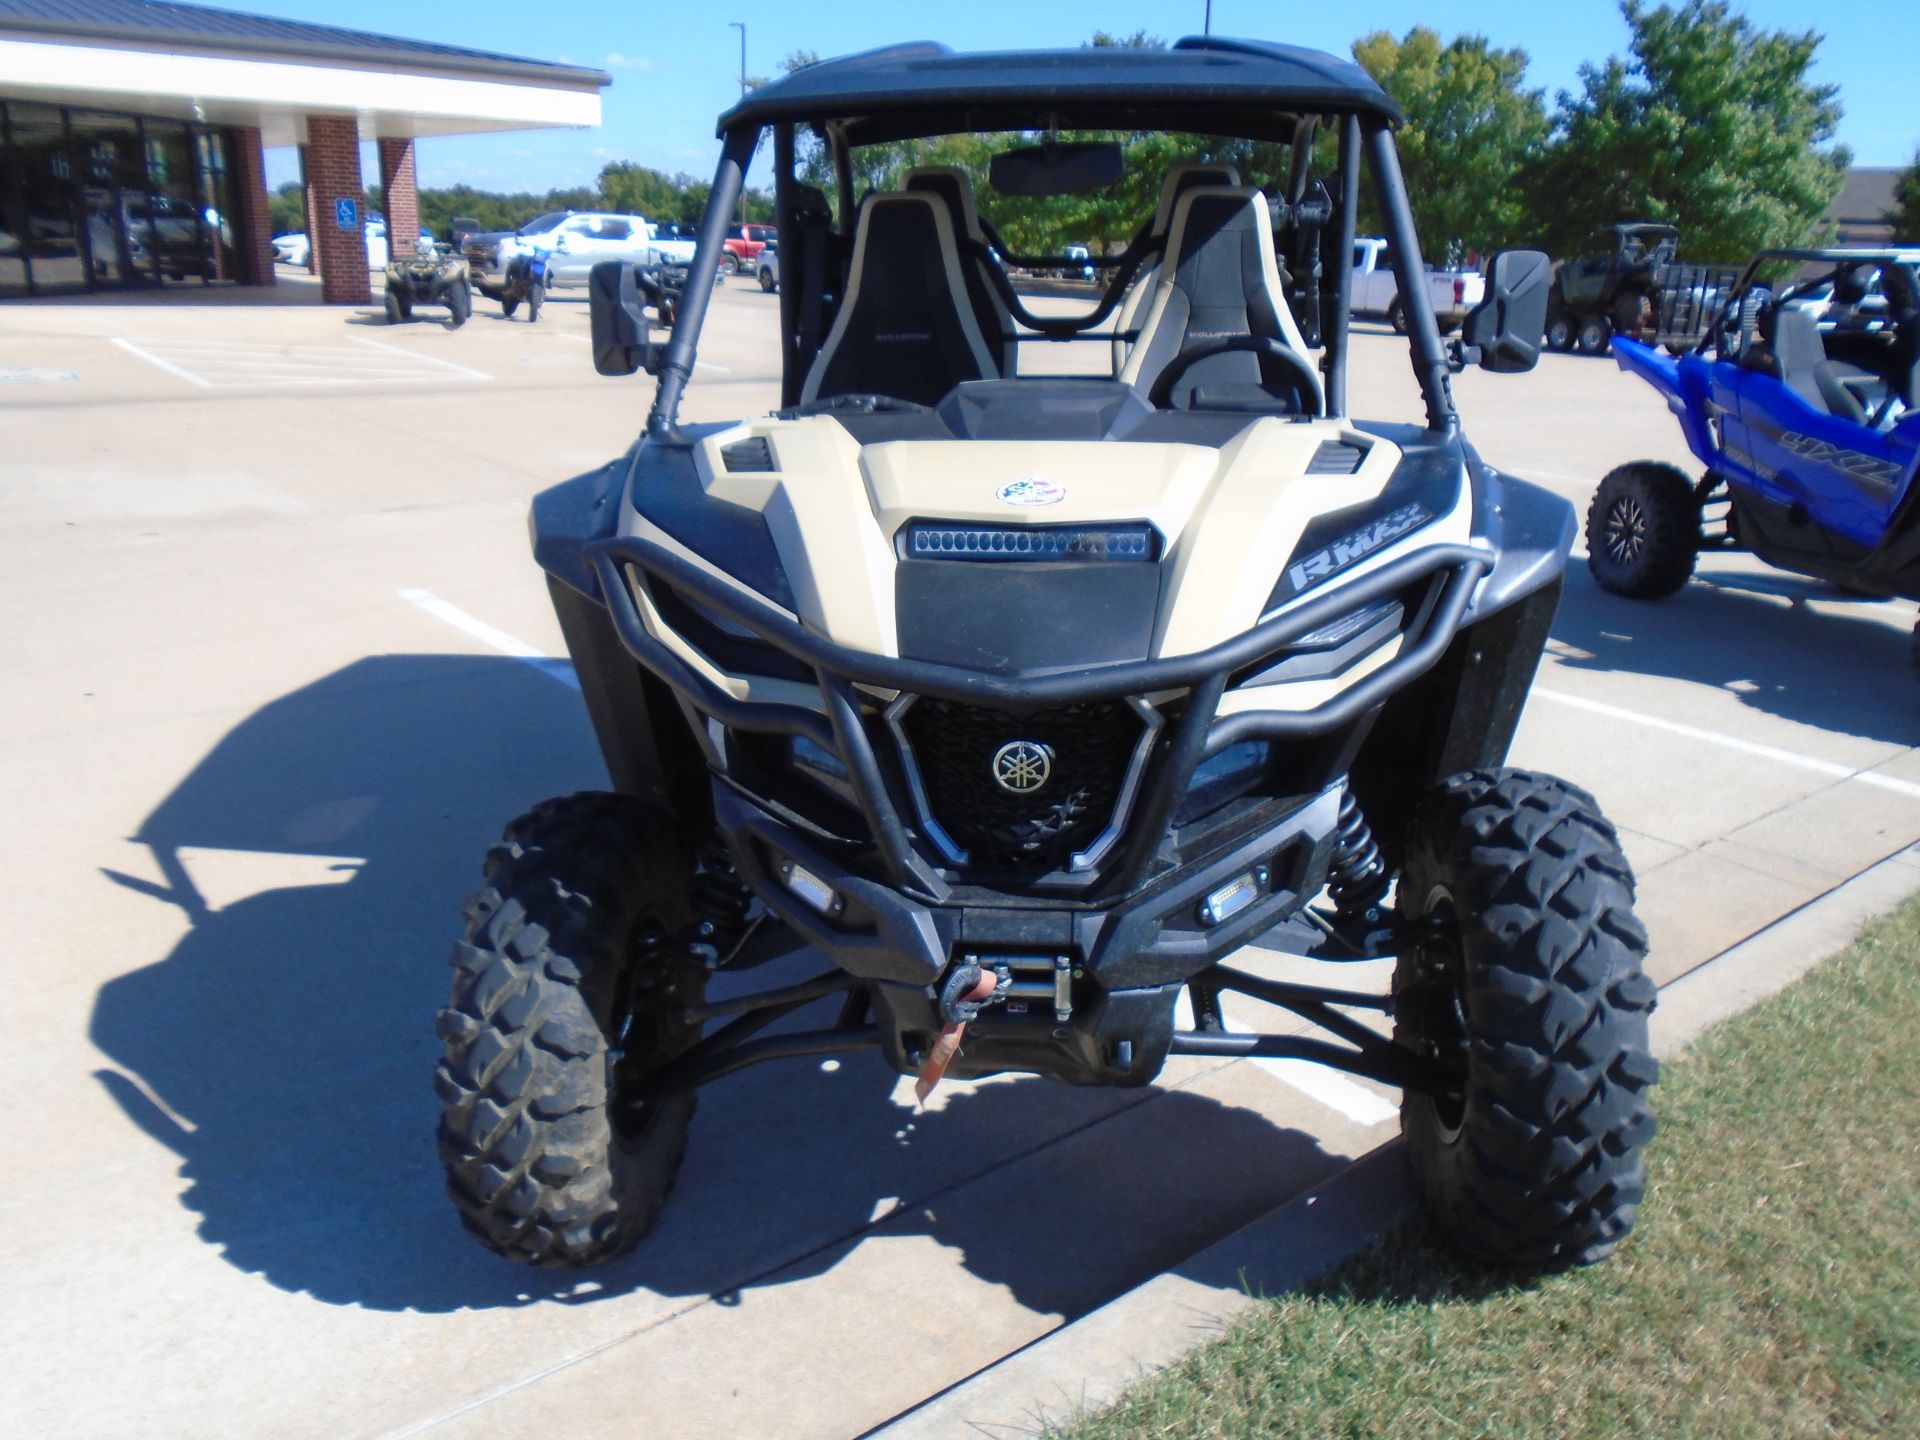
point(132, 136)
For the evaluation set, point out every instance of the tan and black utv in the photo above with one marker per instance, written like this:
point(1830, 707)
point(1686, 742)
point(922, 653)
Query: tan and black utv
point(1024, 699)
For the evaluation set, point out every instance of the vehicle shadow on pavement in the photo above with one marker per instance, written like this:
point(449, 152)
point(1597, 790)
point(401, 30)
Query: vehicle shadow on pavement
point(284, 1050)
point(1847, 673)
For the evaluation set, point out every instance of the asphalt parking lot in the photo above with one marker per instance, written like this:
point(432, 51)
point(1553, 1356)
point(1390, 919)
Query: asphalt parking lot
point(282, 667)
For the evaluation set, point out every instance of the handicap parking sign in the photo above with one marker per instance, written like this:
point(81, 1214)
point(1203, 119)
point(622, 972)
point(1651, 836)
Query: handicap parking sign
point(346, 213)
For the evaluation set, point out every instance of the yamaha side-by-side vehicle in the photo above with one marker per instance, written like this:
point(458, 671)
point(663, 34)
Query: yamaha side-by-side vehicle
point(1024, 702)
point(1802, 400)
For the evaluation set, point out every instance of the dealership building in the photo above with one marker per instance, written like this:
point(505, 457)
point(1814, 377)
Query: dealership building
point(132, 135)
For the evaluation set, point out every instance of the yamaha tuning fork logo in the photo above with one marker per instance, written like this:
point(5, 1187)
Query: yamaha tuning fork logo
point(1022, 766)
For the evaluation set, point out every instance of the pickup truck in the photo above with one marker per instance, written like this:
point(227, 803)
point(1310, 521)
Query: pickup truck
point(1377, 294)
point(671, 243)
point(743, 246)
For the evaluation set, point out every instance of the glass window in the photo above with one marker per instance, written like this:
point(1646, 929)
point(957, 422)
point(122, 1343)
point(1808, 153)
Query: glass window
point(52, 241)
point(181, 246)
point(13, 219)
point(121, 233)
point(218, 204)
point(615, 230)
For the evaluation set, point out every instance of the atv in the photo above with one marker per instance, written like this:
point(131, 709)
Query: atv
point(1026, 702)
point(428, 277)
point(525, 282)
point(1802, 401)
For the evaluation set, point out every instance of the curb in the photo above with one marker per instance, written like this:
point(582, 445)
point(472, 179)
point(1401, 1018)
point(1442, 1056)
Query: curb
point(1089, 1363)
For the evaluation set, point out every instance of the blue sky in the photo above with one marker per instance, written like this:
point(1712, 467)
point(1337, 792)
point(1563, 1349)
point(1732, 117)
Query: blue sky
point(675, 67)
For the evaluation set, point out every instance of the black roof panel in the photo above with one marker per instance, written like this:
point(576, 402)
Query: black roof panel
point(202, 27)
point(1199, 73)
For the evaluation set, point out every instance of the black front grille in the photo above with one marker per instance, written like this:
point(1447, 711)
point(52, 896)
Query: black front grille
point(954, 745)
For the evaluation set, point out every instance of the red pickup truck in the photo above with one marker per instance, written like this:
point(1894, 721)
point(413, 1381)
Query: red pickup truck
point(744, 244)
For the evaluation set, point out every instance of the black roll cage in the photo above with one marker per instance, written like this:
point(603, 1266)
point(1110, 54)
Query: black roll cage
point(1368, 134)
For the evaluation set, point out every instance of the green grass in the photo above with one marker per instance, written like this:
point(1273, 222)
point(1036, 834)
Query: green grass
point(1771, 1289)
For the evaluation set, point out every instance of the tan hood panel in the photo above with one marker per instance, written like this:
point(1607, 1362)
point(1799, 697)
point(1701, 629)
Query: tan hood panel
point(1228, 517)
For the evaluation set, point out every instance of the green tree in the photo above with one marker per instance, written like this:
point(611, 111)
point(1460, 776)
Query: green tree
point(1905, 215)
point(1710, 124)
point(1472, 129)
point(287, 208)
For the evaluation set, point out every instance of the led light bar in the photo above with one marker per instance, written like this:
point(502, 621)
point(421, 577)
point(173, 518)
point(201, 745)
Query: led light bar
point(931, 540)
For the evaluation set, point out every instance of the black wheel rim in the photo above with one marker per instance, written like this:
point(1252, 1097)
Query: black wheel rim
point(1439, 1002)
point(643, 1034)
point(1626, 530)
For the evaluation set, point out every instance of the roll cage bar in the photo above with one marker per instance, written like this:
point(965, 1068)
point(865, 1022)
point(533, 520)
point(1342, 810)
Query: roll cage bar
point(1367, 134)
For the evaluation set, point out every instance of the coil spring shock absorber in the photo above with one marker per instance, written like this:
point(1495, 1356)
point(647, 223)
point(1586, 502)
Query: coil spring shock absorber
point(720, 898)
point(1356, 875)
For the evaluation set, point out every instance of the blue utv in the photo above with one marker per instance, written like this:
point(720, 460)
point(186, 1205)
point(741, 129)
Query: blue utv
point(1802, 400)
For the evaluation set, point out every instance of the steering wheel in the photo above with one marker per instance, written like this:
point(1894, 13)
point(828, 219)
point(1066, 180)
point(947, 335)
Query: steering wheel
point(1265, 346)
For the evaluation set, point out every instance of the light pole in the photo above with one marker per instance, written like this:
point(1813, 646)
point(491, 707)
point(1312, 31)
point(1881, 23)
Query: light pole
point(741, 26)
point(1207, 29)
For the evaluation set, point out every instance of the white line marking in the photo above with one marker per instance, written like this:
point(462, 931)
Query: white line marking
point(1316, 1082)
point(423, 359)
point(1730, 742)
point(155, 360)
point(560, 670)
point(1332, 1089)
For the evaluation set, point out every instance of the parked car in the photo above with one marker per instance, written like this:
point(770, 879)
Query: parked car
point(1452, 293)
point(674, 243)
point(571, 241)
point(768, 269)
point(292, 248)
point(743, 244)
point(377, 249)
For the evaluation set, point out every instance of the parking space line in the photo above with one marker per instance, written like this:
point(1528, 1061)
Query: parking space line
point(1329, 1087)
point(421, 359)
point(242, 364)
point(560, 670)
point(1732, 742)
point(155, 360)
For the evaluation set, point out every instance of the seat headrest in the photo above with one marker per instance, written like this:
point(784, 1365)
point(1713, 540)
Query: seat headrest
point(951, 186)
point(1182, 178)
point(1207, 212)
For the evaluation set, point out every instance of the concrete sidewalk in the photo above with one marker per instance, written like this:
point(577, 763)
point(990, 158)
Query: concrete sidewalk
point(252, 782)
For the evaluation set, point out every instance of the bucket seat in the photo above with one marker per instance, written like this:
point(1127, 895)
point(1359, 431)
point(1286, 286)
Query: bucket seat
point(906, 327)
point(1219, 280)
point(951, 187)
point(1180, 179)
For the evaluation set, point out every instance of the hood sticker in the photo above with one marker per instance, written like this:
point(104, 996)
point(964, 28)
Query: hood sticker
point(1028, 490)
point(1356, 545)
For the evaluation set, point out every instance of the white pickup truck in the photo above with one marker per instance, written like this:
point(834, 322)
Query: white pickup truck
point(1376, 293)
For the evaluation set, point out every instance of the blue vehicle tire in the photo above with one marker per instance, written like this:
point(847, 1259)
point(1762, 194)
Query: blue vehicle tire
point(1643, 530)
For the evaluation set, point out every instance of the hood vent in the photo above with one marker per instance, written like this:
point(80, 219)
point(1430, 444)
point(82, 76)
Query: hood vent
point(748, 457)
point(1336, 457)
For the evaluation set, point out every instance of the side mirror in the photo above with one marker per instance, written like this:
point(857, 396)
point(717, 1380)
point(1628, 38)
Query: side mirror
point(1506, 327)
point(622, 333)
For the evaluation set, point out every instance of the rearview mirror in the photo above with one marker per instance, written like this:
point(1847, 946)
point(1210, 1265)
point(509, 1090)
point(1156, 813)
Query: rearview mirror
point(1506, 327)
point(1057, 168)
point(622, 333)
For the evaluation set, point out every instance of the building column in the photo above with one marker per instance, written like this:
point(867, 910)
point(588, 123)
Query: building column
point(399, 196)
point(333, 174)
point(255, 240)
